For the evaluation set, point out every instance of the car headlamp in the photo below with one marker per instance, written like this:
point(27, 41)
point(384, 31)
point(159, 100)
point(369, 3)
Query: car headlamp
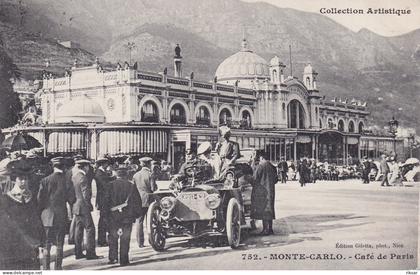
point(213, 201)
point(168, 203)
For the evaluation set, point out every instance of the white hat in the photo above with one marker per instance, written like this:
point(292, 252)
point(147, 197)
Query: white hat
point(204, 147)
point(223, 130)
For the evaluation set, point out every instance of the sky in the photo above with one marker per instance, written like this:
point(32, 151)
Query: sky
point(386, 25)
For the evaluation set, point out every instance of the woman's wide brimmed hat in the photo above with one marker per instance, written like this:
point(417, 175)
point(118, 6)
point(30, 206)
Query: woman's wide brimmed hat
point(204, 148)
point(18, 168)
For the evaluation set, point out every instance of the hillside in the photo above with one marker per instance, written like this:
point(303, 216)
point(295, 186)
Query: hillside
point(350, 64)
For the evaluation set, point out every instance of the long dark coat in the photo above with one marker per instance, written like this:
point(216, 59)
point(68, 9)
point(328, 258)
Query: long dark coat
point(263, 192)
point(119, 192)
point(102, 180)
point(21, 233)
point(54, 193)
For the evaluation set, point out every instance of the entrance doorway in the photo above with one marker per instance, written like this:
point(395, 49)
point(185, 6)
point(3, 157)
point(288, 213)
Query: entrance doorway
point(178, 154)
point(330, 146)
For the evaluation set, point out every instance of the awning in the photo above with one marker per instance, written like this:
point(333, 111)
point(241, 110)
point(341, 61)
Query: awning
point(116, 142)
point(303, 139)
point(352, 140)
point(71, 141)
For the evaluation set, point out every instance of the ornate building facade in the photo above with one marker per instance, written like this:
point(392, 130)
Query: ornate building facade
point(127, 111)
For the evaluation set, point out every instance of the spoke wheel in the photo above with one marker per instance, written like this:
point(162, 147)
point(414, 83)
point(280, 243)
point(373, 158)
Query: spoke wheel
point(157, 238)
point(233, 223)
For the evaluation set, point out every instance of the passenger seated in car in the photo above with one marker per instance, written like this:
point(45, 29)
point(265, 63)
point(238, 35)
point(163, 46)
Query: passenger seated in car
point(204, 153)
point(202, 169)
point(227, 150)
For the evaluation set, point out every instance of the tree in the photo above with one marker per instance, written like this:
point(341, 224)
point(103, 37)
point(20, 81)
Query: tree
point(10, 105)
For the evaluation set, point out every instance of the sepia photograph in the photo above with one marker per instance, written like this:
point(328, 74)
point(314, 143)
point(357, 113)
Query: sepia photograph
point(209, 135)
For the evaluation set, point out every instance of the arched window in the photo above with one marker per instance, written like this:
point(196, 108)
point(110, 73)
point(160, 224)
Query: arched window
point(331, 124)
point(225, 117)
point(296, 115)
point(149, 112)
point(177, 114)
point(320, 123)
point(308, 82)
point(361, 126)
point(341, 125)
point(203, 116)
point(351, 126)
point(246, 119)
point(275, 79)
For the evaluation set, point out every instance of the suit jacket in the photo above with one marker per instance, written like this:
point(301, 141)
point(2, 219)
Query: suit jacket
point(145, 185)
point(83, 191)
point(102, 180)
point(283, 166)
point(119, 192)
point(231, 151)
point(384, 166)
point(54, 192)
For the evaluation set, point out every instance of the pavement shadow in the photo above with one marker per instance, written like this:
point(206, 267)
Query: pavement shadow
point(306, 224)
point(284, 229)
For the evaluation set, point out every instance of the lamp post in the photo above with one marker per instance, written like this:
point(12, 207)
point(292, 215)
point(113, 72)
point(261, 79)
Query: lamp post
point(393, 127)
point(412, 143)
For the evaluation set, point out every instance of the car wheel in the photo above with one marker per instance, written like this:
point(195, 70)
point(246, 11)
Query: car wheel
point(157, 238)
point(233, 223)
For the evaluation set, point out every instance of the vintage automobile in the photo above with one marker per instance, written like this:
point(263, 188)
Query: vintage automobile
point(194, 206)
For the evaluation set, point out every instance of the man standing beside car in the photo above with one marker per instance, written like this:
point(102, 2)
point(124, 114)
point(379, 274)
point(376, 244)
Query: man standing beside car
point(122, 202)
point(145, 186)
point(263, 194)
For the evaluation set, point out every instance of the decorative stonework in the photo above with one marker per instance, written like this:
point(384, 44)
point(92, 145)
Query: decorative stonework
point(110, 104)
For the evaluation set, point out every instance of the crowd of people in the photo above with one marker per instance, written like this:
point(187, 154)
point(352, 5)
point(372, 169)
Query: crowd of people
point(42, 200)
point(45, 199)
point(387, 170)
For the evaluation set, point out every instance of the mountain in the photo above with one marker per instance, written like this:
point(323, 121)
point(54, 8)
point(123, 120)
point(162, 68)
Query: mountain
point(384, 71)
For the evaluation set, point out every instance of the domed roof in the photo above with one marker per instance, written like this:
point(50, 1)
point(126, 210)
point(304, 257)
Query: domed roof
point(243, 65)
point(82, 109)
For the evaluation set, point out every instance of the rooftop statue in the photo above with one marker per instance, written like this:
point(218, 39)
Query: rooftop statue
point(178, 51)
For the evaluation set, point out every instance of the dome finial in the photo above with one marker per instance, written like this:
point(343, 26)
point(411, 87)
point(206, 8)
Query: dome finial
point(244, 44)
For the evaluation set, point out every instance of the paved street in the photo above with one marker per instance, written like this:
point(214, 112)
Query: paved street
point(313, 220)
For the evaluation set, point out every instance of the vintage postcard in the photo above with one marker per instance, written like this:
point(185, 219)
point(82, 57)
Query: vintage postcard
point(209, 135)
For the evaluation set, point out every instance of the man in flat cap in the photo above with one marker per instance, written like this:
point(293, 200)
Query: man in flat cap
point(227, 150)
point(54, 192)
point(82, 209)
point(102, 180)
point(123, 205)
point(145, 186)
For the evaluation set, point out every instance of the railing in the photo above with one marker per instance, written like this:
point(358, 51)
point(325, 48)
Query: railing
point(178, 119)
point(149, 118)
point(203, 121)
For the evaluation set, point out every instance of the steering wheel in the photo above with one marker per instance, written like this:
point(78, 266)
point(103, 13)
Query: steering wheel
point(192, 171)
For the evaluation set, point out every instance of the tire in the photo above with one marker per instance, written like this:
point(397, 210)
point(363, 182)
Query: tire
point(233, 223)
point(156, 234)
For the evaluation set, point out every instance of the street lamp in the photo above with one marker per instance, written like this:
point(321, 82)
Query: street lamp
point(393, 127)
point(412, 143)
